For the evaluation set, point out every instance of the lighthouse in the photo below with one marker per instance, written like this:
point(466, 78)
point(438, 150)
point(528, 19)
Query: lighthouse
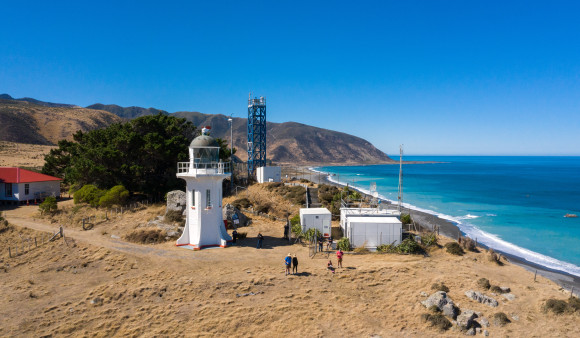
point(203, 174)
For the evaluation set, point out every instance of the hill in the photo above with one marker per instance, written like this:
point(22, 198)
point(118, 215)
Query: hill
point(127, 112)
point(292, 142)
point(38, 102)
point(25, 122)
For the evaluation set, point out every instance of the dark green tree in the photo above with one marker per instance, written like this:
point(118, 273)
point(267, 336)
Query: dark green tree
point(140, 154)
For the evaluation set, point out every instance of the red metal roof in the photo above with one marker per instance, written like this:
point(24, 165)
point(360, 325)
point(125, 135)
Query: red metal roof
point(17, 175)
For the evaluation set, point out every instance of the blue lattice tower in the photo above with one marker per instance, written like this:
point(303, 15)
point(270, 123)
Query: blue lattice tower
point(256, 134)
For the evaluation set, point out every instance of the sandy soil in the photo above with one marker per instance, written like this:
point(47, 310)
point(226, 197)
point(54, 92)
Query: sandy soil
point(22, 154)
point(97, 285)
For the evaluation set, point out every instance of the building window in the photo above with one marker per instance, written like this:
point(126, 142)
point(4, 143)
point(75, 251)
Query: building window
point(193, 198)
point(26, 189)
point(208, 199)
point(8, 189)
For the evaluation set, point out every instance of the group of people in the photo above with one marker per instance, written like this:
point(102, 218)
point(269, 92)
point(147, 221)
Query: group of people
point(321, 243)
point(290, 261)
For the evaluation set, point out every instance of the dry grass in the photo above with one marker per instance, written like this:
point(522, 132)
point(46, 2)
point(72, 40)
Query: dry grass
point(147, 236)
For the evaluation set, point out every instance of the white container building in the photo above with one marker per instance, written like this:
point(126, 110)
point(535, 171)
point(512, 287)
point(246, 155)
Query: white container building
point(371, 232)
point(318, 218)
point(269, 174)
point(345, 213)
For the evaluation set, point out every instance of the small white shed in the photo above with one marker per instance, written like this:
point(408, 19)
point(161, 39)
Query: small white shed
point(371, 232)
point(345, 213)
point(318, 218)
point(269, 174)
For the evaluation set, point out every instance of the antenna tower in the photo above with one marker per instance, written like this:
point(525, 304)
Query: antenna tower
point(256, 134)
point(400, 197)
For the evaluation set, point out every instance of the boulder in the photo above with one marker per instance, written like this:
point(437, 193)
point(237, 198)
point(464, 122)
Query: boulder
point(450, 310)
point(509, 296)
point(485, 333)
point(479, 297)
point(470, 332)
point(438, 299)
point(505, 289)
point(465, 319)
point(176, 204)
point(484, 322)
point(228, 212)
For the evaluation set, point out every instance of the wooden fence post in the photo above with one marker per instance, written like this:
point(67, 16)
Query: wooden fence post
point(9, 252)
point(35, 243)
point(535, 274)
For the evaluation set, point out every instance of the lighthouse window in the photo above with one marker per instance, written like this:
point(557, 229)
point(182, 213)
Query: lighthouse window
point(208, 198)
point(193, 198)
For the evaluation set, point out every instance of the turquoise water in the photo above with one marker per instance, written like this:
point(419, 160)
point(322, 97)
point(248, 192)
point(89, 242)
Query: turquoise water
point(512, 204)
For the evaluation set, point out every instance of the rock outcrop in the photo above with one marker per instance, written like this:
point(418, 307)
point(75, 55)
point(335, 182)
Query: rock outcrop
point(479, 297)
point(175, 206)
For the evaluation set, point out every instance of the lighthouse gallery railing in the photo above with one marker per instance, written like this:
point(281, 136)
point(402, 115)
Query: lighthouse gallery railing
point(204, 168)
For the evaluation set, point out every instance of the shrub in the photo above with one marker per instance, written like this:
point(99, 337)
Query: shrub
point(406, 219)
point(387, 248)
point(437, 321)
point(574, 303)
point(242, 203)
point(439, 287)
point(500, 319)
point(495, 289)
point(559, 307)
point(467, 243)
point(429, 239)
point(117, 195)
point(494, 257)
point(409, 246)
point(4, 225)
point(343, 244)
point(484, 283)
point(434, 309)
point(263, 208)
point(361, 249)
point(312, 233)
point(88, 194)
point(454, 249)
point(49, 205)
point(242, 235)
point(146, 236)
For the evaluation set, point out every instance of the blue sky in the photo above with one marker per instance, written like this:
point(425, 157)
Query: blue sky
point(440, 77)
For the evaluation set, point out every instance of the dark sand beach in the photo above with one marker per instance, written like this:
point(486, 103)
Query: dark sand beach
point(449, 229)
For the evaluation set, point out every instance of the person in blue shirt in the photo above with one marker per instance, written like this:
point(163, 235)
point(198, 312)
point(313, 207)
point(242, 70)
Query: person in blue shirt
point(288, 262)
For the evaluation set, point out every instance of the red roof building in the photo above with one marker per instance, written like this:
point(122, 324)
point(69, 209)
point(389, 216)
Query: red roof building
point(19, 185)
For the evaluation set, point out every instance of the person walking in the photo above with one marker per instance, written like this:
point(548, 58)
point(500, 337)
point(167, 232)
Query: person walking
point(339, 254)
point(320, 243)
point(288, 263)
point(286, 228)
point(234, 236)
point(260, 240)
point(294, 264)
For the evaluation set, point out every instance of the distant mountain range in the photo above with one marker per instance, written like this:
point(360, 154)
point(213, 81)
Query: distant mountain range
point(28, 120)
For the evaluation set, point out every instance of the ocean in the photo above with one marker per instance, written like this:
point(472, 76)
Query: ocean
point(513, 204)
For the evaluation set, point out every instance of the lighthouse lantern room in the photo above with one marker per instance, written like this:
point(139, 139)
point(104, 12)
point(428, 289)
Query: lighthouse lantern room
point(203, 174)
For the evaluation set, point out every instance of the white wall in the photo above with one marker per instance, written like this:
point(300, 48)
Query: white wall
point(319, 221)
point(48, 188)
point(265, 174)
point(372, 234)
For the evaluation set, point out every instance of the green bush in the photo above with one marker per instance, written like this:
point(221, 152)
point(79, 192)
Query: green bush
point(88, 194)
point(117, 195)
point(500, 319)
point(439, 287)
point(312, 233)
point(429, 239)
point(242, 203)
point(296, 227)
point(48, 206)
point(495, 289)
point(387, 248)
point(409, 246)
point(343, 244)
point(406, 219)
point(454, 248)
point(484, 283)
point(558, 306)
point(437, 321)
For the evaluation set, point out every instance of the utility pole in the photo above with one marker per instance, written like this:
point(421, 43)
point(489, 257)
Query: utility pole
point(231, 120)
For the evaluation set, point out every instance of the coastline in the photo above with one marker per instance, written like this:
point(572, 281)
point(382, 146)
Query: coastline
point(451, 230)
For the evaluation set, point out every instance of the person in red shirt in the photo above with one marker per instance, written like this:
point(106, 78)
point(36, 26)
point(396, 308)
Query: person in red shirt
point(339, 254)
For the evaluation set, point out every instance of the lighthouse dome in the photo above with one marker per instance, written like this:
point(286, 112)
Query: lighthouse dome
point(204, 141)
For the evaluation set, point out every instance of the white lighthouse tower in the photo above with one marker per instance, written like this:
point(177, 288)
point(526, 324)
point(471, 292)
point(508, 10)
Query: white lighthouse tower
point(204, 173)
